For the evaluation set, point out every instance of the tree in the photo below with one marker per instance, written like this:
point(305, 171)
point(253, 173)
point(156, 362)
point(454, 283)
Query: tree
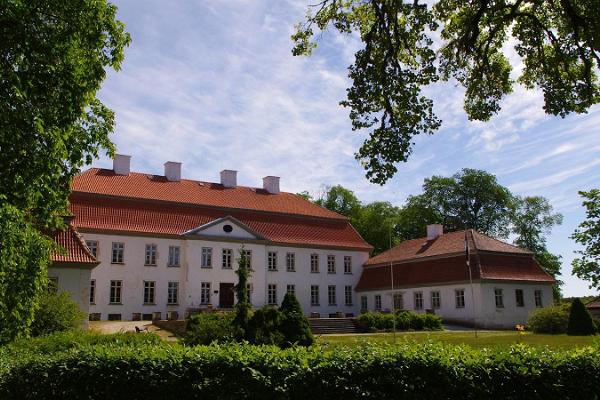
point(57, 312)
point(341, 200)
point(556, 41)
point(243, 306)
point(54, 58)
point(580, 320)
point(587, 266)
point(264, 327)
point(376, 222)
point(294, 324)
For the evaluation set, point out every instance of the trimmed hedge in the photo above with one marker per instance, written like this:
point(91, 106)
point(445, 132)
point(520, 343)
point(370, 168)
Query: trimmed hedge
point(405, 320)
point(241, 371)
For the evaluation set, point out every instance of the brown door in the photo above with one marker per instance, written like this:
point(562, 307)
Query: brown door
point(226, 297)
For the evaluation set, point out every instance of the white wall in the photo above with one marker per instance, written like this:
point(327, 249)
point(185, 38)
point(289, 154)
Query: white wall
point(76, 281)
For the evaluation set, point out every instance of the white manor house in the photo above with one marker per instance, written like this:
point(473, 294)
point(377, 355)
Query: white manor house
point(144, 246)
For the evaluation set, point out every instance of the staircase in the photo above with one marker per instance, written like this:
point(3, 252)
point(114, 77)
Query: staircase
point(321, 326)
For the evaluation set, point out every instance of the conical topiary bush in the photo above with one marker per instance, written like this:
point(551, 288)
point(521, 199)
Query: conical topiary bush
point(580, 320)
point(294, 324)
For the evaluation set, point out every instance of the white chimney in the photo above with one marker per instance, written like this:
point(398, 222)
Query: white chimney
point(173, 171)
point(434, 231)
point(121, 164)
point(271, 184)
point(229, 178)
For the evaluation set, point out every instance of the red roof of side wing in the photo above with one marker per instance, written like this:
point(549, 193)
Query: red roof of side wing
point(75, 250)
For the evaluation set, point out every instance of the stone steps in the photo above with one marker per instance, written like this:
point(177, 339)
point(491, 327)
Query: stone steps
point(320, 326)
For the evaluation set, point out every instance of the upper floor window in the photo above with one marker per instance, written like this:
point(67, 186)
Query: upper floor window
point(348, 295)
point(347, 264)
point(150, 255)
point(248, 255)
point(398, 301)
point(272, 261)
point(499, 297)
point(436, 299)
point(459, 296)
point(537, 294)
point(418, 300)
point(118, 250)
point(520, 300)
point(92, 245)
point(174, 256)
point(206, 257)
point(226, 258)
point(290, 262)
point(149, 292)
point(331, 264)
point(314, 263)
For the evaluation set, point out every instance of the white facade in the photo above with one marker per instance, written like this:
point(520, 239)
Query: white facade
point(479, 307)
point(76, 281)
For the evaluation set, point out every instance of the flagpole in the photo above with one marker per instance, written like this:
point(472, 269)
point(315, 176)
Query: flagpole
point(468, 261)
point(392, 281)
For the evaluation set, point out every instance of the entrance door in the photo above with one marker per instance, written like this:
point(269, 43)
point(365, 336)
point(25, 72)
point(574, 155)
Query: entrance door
point(226, 295)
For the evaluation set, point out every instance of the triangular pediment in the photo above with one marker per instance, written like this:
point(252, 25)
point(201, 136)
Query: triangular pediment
point(225, 227)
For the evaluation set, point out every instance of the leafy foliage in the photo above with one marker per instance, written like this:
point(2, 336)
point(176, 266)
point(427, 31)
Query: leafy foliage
point(553, 320)
point(56, 313)
point(587, 266)
point(294, 324)
point(265, 327)
point(243, 307)
point(556, 40)
point(580, 320)
point(209, 327)
point(405, 320)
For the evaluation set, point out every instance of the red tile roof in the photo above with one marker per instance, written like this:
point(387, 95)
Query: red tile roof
point(594, 304)
point(157, 187)
point(75, 249)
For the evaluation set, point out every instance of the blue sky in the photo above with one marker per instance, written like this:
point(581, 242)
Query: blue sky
point(213, 84)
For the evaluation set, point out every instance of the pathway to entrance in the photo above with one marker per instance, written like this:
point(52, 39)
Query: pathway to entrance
point(107, 327)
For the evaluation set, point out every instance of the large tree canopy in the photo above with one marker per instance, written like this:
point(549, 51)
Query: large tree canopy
point(53, 58)
point(557, 40)
point(587, 266)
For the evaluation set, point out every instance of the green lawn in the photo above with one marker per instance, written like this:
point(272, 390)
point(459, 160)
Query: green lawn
point(483, 339)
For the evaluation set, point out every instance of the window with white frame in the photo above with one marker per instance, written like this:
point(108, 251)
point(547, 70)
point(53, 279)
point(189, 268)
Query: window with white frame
point(272, 294)
point(364, 303)
point(173, 293)
point(291, 289)
point(499, 297)
point(348, 295)
point(418, 300)
point(92, 246)
point(378, 302)
point(331, 264)
point(250, 288)
point(519, 298)
point(331, 295)
point(118, 250)
point(149, 291)
point(398, 301)
point(174, 256)
point(205, 293)
point(314, 263)
point(116, 288)
point(436, 299)
point(93, 291)
point(347, 264)
point(290, 262)
point(314, 295)
point(459, 297)
point(150, 255)
point(248, 255)
point(537, 294)
point(272, 261)
point(226, 258)
point(206, 261)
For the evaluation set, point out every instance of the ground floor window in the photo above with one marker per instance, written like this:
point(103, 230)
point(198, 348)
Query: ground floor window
point(348, 295)
point(499, 297)
point(519, 298)
point(93, 291)
point(116, 288)
point(537, 294)
point(418, 300)
point(149, 291)
point(52, 285)
point(205, 293)
point(173, 293)
point(364, 303)
point(314, 295)
point(331, 295)
point(272, 294)
point(459, 295)
point(436, 299)
point(114, 317)
point(378, 302)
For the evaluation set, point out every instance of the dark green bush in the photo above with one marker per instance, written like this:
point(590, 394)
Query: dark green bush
point(405, 320)
point(56, 313)
point(236, 371)
point(209, 327)
point(264, 327)
point(580, 320)
point(552, 319)
point(294, 324)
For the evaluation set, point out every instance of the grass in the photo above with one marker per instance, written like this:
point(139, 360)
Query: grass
point(484, 339)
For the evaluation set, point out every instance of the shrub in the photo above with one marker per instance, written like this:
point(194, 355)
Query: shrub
point(57, 313)
point(206, 328)
point(552, 319)
point(432, 322)
point(580, 320)
point(405, 320)
point(294, 324)
point(264, 327)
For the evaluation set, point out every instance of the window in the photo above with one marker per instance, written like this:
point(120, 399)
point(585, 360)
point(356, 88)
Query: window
point(314, 263)
point(248, 255)
point(331, 264)
point(52, 285)
point(92, 245)
point(149, 287)
point(117, 252)
point(499, 296)
point(174, 259)
point(331, 295)
point(205, 293)
point(459, 296)
point(173, 293)
point(271, 294)
point(537, 294)
point(114, 317)
point(226, 258)
point(291, 289)
point(398, 301)
point(364, 303)
point(93, 291)
point(206, 257)
point(418, 300)
point(115, 292)
point(272, 261)
point(250, 288)
point(436, 300)
point(150, 255)
point(347, 264)
point(314, 295)
point(290, 262)
point(348, 295)
point(519, 298)
point(95, 316)
point(378, 302)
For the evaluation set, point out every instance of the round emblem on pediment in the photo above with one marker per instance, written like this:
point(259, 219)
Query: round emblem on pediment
point(227, 228)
